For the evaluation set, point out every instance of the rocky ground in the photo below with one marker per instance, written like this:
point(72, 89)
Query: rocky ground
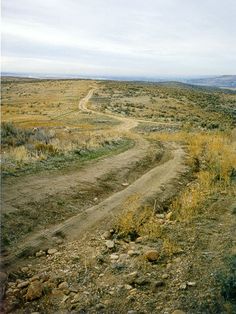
point(185, 270)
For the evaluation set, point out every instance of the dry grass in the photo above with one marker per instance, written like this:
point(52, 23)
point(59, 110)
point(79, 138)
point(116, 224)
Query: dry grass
point(44, 144)
point(212, 156)
point(41, 119)
point(42, 103)
point(135, 221)
point(19, 154)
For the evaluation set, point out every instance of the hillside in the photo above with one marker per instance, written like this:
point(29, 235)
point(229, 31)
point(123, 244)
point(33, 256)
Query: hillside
point(118, 197)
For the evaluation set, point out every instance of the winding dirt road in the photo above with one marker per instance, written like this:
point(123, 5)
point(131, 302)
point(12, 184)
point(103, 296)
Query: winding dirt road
point(18, 191)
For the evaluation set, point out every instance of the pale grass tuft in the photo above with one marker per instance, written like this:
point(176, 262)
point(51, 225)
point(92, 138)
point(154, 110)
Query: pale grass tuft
point(19, 154)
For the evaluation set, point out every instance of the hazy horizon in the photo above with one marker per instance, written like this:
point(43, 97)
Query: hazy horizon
point(171, 38)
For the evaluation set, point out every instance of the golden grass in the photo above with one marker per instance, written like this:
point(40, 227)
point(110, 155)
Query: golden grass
point(215, 158)
point(52, 108)
point(135, 221)
point(19, 154)
point(42, 103)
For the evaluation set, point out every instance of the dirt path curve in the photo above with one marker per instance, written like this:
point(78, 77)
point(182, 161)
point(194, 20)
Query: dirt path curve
point(33, 188)
point(148, 185)
point(126, 123)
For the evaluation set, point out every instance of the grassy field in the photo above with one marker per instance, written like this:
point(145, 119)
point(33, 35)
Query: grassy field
point(41, 122)
point(175, 103)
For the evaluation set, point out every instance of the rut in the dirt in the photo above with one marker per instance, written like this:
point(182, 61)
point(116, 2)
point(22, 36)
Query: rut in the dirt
point(147, 186)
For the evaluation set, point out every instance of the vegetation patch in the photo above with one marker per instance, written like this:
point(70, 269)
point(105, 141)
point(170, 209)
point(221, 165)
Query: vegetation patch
point(45, 149)
point(212, 158)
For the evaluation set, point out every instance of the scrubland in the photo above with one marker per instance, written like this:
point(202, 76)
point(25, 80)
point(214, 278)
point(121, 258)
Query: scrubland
point(172, 251)
point(41, 124)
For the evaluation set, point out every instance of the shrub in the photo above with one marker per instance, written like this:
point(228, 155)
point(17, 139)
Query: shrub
point(19, 154)
point(13, 136)
point(47, 149)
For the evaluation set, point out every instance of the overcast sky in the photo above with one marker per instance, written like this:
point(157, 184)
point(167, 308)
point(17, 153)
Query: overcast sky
point(119, 37)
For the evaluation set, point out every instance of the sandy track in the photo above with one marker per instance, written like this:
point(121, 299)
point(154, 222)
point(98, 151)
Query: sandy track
point(33, 188)
point(36, 188)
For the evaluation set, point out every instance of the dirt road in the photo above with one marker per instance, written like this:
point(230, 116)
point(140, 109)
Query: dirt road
point(33, 188)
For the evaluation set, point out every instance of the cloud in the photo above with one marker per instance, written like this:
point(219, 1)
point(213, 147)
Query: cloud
point(117, 37)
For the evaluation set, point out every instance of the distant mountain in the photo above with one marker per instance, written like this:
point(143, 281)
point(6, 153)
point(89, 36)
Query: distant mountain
point(216, 81)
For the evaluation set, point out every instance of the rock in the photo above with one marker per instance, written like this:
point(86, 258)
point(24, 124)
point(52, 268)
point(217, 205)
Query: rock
point(34, 278)
point(139, 240)
point(40, 253)
point(57, 293)
point(123, 257)
point(125, 184)
point(183, 286)
point(114, 257)
point(100, 259)
point(57, 240)
point(34, 291)
point(48, 286)
point(164, 276)
point(95, 199)
point(25, 269)
point(169, 215)
point(178, 312)
point(3, 283)
point(99, 306)
point(133, 274)
point(157, 284)
point(191, 283)
point(44, 277)
point(177, 260)
point(52, 251)
point(23, 284)
point(74, 289)
point(110, 244)
point(76, 298)
point(168, 265)
point(130, 252)
point(63, 285)
point(128, 287)
point(151, 255)
point(141, 281)
point(133, 253)
point(118, 266)
point(130, 278)
point(107, 235)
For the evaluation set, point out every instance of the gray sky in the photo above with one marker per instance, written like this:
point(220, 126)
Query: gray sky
point(119, 37)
